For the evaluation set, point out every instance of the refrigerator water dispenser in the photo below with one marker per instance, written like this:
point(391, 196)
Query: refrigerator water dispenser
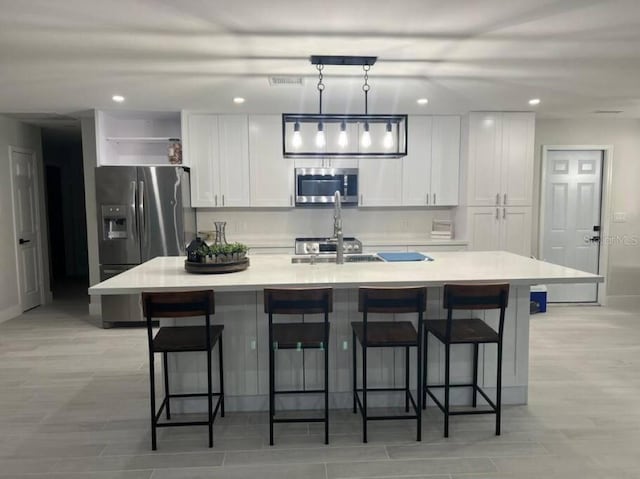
point(114, 221)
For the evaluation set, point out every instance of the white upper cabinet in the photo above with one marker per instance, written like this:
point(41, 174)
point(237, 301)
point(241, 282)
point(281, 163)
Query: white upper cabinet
point(127, 138)
point(431, 167)
point(380, 182)
point(271, 175)
point(445, 160)
point(416, 166)
point(500, 163)
point(217, 150)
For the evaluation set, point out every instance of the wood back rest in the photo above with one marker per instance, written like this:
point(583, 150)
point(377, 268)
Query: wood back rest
point(476, 296)
point(178, 304)
point(392, 300)
point(298, 300)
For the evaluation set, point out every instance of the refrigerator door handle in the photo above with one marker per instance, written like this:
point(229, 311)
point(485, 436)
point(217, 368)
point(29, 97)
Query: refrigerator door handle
point(134, 230)
point(141, 212)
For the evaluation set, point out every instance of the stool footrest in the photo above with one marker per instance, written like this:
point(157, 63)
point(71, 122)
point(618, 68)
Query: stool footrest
point(300, 391)
point(300, 419)
point(214, 413)
point(492, 405)
point(380, 418)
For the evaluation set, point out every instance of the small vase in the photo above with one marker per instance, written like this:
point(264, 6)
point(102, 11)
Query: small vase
point(221, 238)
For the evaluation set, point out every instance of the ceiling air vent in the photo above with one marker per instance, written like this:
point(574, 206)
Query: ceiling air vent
point(286, 80)
point(608, 112)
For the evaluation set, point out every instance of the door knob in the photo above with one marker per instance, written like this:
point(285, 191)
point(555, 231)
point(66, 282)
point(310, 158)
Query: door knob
point(595, 239)
point(23, 241)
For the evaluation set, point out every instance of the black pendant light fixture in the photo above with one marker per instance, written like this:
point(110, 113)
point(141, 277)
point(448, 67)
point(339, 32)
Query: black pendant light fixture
point(344, 135)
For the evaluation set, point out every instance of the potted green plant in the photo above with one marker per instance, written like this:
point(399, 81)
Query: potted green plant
point(227, 253)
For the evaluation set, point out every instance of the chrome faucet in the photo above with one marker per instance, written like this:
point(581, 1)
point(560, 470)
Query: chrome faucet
point(337, 228)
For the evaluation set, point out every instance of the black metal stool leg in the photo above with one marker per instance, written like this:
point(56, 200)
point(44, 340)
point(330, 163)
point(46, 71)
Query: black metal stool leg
point(326, 392)
point(419, 386)
point(166, 384)
point(406, 379)
point(271, 389)
point(364, 393)
point(221, 373)
point(475, 375)
point(499, 390)
point(210, 397)
point(355, 371)
point(447, 365)
point(152, 397)
point(424, 371)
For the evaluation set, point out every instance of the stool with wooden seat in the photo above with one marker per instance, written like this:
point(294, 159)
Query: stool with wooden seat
point(468, 331)
point(298, 335)
point(175, 339)
point(389, 334)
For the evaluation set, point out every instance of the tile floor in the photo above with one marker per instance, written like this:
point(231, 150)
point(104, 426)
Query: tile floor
point(73, 404)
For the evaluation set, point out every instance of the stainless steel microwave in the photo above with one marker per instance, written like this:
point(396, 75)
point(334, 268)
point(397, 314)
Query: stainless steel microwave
point(317, 186)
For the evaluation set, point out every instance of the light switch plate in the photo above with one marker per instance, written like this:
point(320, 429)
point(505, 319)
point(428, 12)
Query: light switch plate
point(619, 217)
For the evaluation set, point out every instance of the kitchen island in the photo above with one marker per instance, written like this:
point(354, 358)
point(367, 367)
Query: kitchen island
point(239, 307)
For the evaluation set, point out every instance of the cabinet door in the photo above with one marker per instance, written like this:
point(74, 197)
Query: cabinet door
point(485, 147)
point(233, 148)
point(380, 181)
point(517, 158)
point(202, 150)
point(515, 230)
point(483, 226)
point(271, 175)
point(416, 166)
point(445, 160)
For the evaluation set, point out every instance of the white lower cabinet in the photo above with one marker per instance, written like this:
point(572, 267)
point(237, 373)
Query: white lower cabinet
point(500, 228)
point(271, 175)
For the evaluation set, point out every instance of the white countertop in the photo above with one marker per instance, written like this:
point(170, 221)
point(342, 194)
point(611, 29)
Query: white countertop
point(168, 274)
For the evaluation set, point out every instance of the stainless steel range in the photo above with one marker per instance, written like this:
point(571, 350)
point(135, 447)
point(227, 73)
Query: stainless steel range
point(326, 245)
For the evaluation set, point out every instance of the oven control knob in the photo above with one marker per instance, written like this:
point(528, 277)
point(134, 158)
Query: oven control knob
point(356, 247)
point(348, 247)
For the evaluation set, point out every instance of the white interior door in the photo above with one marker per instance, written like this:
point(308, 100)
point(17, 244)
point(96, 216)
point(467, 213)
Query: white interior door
point(572, 201)
point(25, 210)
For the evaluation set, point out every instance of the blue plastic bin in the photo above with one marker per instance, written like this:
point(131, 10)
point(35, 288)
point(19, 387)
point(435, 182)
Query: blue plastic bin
point(539, 295)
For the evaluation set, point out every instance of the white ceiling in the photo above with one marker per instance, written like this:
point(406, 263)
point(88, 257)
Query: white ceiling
point(65, 56)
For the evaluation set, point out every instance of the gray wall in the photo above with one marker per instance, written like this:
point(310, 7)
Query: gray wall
point(623, 274)
point(15, 133)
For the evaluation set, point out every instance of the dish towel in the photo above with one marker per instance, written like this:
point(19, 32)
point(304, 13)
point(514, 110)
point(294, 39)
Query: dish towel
point(411, 256)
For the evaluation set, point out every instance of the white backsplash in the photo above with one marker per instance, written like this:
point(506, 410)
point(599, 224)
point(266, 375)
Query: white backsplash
point(281, 226)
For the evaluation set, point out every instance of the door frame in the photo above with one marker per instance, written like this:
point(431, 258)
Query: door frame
point(36, 192)
point(605, 207)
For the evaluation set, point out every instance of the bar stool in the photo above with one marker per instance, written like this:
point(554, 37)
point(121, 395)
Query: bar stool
point(298, 335)
point(182, 339)
point(389, 334)
point(468, 331)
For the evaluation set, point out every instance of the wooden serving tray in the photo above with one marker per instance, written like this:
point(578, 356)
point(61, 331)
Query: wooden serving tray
point(216, 268)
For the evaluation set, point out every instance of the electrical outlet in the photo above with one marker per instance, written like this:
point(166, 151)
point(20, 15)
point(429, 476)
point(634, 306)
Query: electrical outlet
point(620, 217)
point(253, 345)
point(345, 345)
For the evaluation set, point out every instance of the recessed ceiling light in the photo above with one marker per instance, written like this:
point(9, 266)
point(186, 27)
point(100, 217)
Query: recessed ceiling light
point(117, 98)
point(238, 100)
point(422, 101)
point(534, 101)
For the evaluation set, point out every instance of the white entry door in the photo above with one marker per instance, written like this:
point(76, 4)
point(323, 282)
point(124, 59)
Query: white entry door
point(571, 229)
point(25, 211)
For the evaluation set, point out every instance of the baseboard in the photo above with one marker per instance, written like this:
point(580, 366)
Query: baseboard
point(10, 313)
point(623, 302)
point(510, 396)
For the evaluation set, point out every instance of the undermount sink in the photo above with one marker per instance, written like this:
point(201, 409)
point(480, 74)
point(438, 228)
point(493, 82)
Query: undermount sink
point(348, 258)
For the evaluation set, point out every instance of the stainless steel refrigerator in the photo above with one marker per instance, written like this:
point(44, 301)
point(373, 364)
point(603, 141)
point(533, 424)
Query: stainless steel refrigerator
point(143, 212)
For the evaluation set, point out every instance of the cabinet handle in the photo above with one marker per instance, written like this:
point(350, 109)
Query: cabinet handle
point(427, 198)
point(497, 213)
point(290, 200)
point(361, 200)
point(504, 213)
point(222, 200)
point(497, 199)
point(216, 198)
point(434, 199)
point(504, 201)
